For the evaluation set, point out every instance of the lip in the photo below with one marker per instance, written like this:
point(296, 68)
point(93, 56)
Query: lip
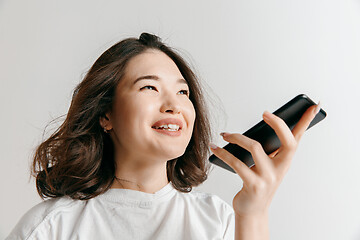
point(169, 133)
point(168, 121)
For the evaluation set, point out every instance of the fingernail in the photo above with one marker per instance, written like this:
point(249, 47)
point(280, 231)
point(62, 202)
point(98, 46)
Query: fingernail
point(317, 109)
point(267, 115)
point(224, 134)
point(213, 146)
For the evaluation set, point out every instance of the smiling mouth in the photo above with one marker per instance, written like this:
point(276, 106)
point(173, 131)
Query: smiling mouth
point(167, 129)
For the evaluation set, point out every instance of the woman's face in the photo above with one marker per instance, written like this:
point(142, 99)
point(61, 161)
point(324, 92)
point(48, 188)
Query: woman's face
point(152, 90)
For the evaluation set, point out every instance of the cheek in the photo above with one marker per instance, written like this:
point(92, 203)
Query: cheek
point(189, 110)
point(131, 114)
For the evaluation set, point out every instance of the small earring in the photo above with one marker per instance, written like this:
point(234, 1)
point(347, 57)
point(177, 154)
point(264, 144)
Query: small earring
point(106, 131)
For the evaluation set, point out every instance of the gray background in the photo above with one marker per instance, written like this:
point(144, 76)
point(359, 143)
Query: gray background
point(251, 56)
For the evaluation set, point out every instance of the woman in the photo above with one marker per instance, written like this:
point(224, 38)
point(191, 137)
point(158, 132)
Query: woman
point(134, 143)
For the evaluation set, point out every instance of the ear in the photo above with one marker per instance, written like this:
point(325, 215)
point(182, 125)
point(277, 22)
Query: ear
point(105, 121)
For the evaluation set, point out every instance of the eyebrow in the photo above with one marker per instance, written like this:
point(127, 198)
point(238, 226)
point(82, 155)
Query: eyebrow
point(156, 78)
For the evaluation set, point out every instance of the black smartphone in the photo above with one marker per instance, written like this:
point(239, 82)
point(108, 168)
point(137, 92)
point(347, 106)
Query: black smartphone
point(291, 113)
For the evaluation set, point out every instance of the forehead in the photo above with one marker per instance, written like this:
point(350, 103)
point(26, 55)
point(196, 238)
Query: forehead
point(151, 62)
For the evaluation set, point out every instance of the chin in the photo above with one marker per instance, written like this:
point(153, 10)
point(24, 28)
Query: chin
point(172, 153)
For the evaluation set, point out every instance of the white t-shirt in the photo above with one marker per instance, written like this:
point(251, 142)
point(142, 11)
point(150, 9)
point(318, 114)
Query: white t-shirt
point(130, 214)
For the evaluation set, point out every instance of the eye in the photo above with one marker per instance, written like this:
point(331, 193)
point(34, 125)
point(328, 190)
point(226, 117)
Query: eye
point(186, 92)
point(148, 87)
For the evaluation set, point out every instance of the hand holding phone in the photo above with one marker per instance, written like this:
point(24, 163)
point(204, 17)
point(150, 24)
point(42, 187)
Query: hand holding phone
point(291, 112)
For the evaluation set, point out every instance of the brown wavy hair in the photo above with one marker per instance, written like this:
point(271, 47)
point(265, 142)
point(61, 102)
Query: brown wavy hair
point(77, 160)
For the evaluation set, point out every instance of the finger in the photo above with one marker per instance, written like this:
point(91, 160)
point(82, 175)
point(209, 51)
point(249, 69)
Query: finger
point(305, 121)
point(286, 137)
point(254, 147)
point(273, 154)
point(282, 159)
point(238, 166)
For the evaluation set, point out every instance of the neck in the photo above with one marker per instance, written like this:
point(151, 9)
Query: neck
point(145, 176)
point(127, 181)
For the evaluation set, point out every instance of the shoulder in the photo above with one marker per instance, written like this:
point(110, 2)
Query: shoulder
point(37, 216)
point(209, 202)
point(207, 198)
point(211, 210)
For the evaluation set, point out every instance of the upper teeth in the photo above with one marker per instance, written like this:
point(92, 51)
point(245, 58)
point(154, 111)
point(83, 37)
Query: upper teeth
point(171, 126)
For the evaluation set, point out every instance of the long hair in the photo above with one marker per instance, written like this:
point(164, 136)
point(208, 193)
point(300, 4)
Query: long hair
point(77, 160)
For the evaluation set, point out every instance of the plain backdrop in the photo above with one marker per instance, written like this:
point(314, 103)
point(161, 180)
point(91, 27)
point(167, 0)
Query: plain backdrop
point(251, 56)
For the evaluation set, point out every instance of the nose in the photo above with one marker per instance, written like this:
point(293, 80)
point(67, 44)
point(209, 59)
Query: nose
point(170, 105)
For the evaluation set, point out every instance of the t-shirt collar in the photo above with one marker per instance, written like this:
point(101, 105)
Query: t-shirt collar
point(134, 197)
